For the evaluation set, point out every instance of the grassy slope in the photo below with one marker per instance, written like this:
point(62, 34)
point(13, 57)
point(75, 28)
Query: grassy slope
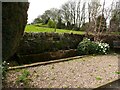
point(32, 28)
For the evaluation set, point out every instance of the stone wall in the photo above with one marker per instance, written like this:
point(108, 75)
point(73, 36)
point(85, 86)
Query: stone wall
point(35, 43)
point(110, 38)
point(14, 20)
point(36, 47)
point(47, 56)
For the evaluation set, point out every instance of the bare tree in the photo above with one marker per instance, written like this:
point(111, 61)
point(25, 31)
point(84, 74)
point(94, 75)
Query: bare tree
point(101, 19)
point(89, 12)
point(115, 19)
point(95, 10)
point(66, 11)
point(108, 15)
point(83, 13)
point(78, 20)
point(73, 11)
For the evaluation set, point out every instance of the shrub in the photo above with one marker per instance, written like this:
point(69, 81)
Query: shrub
point(4, 69)
point(90, 47)
point(23, 78)
point(51, 23)
point(102, 48)
point(86, 47)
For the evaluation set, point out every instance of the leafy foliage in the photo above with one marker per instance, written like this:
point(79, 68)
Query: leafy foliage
point(51, 23)
point(91, 47)
point(23, 78)
point(102, 48)
point(4, 69)
point(86, 47)
point(37, 20)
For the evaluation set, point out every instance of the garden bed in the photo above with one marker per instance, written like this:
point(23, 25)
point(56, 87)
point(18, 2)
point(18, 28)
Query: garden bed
point(87, 72)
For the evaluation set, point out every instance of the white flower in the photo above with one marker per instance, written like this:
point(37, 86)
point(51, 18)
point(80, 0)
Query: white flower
point(4, 62)
point(101, 46)
point(89, 39)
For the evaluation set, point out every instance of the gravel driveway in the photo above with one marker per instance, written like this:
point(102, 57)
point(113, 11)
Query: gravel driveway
point(87, 72)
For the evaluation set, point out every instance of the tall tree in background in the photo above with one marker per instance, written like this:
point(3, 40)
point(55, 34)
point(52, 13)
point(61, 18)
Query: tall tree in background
point(79, 14)
point(102, 23)
point(54, 16)
point(89, 12)
point(60, 24)
point(95, 10)
point(37, 20)
point(51, 15)
point(73, 12)
point(83, 13)
point(45, 16)
point(115, 20)
point(66, 12)
point(78, 19)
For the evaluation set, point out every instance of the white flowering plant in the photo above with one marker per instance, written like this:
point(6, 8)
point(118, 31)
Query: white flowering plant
point(4, 67)
point(102, 48)
point(90, 47)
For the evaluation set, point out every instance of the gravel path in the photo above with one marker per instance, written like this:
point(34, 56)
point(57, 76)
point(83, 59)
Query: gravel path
point(87, 72)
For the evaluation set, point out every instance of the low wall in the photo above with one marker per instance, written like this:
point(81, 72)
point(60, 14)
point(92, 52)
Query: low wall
point(110, 38)
point(47, 56)
point(35, 43)
point(36, 47)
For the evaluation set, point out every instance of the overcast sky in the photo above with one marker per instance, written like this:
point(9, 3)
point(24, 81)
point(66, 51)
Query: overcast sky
point(37, 7)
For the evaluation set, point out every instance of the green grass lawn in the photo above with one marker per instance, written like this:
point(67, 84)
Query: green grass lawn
point(33, 28)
